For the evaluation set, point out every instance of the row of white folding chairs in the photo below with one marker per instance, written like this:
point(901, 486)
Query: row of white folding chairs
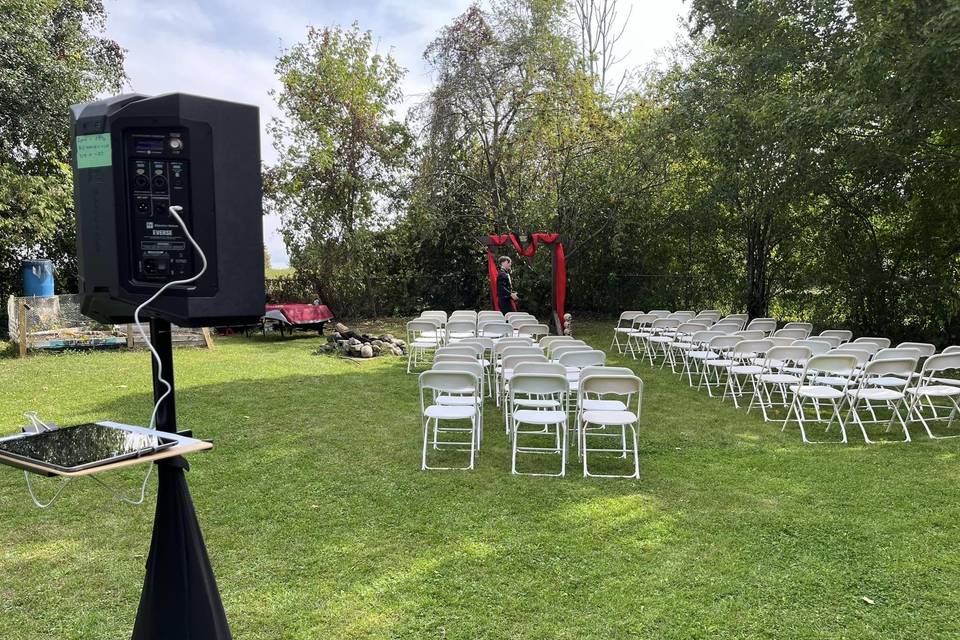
point(807, 374)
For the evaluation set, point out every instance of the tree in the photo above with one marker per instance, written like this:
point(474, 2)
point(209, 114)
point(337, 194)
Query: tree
point(52, 55)
point(342, 155)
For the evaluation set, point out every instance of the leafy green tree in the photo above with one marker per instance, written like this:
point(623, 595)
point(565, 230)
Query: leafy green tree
point(52, 55)
point(342, 154)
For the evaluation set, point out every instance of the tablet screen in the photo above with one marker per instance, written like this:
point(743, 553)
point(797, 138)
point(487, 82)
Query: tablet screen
point(80, 445)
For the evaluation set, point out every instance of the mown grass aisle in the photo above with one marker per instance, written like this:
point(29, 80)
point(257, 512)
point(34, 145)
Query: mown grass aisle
point(321, 525)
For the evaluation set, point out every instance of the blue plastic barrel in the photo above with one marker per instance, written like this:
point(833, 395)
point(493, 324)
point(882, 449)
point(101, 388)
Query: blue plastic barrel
point(38, 278)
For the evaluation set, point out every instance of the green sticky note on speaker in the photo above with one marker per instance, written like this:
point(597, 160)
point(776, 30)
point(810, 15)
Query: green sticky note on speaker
point(94, 151)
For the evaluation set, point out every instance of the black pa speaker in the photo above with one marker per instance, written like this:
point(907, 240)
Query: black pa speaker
point(134, 157)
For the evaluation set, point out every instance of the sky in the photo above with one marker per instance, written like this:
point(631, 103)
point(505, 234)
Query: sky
point(227, 48)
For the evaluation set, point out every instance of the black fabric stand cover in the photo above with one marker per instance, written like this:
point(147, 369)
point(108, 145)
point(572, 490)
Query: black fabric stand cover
point(180, 600)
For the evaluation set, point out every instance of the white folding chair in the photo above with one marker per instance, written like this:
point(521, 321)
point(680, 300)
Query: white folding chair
point(495, 329)
point(558, 349)
point(872, 391)
point(619, 425)
point(715, 362)
point(712, 315)
point(931, 389)
point(486, 347)
point(832, 341)
point(547, 341)
point(623, 327)
point(542, 423)
point(526, 365)
point(779, 373)
point(812, 391)
point(682, 342)
point(596, 404)
point(464, 399)
point(746, 362)
point(661, 334)
point(951, 349)
point(796, 333)
point(510, 359)
point(696, 352)
point(639, 327)
point(423, 336)
point(436, 418)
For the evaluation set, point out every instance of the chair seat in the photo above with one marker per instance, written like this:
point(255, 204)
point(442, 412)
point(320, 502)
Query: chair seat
point(462, 334)
point(935, 390)
point(888, 381)
point(424, 342)
point(820, 392)
point(833, 381)
point(623, 329)
point(450, 412)
point(779, 378)
point(609, 417)
point(660, 339)
point(718, 362)
point(875, 394)
point(640, 334)
point(532, 416)
point(602, 405)
point(702, 355)
point(746, 369)
point(537, 403)
point(460, 401)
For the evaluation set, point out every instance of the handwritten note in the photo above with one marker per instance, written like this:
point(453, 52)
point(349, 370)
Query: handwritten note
point(94, 151)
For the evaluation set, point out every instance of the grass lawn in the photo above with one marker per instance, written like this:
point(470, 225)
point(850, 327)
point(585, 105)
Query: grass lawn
point(321, 525)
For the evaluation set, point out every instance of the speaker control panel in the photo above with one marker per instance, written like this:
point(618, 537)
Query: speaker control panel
point(158, 177)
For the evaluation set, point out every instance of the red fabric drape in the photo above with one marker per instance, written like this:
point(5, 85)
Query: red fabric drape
point(559, 274)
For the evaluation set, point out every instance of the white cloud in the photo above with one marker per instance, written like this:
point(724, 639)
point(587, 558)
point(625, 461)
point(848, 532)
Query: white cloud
point(227, 48)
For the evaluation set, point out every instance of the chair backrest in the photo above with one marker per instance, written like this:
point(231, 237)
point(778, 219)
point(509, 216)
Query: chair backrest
point(845, 335)
point(496, 329)
point(533, 330)
point(549, 368)
point(486, 343)
point(790, 354)
point(519, 320)
point(509, 362)
point(897, 353)
point(581, 359)
point(454, 357)
point(925, 348)
point(862, 356)
point(519, 350)
point(751, 334)
point(471, 367)
point(941, 362)
point(666, 323)
point(684, 315)
point(506, 343)
point(869, 347)
point(627, 317)
point(703, 337)
point(806, 326)
point(659, 313)
point(742, 318)
point(487, 313)
point(643, 320)
point(833, 341)
point(434, 313)
point(817, 347)
point(566, 347)
point(767, 325)
point(882, 342)
point(603, 370)
point(689, 328)
point(546, 341)
point(448, 381)
point(709, 314)
point(460, 349)
point(510, 314)
point(538, 384)
point(752, 348)
point(723, 344)
point(900, 367)
point(781, 341)
point(795, 333)
point(841, 364)
point(727, 326)
point(952, 349)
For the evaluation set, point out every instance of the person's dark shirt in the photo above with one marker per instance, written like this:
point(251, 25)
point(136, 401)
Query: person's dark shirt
point(504, 289)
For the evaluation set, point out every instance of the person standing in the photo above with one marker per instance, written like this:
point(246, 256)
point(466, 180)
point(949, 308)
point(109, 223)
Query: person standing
point(506, 296)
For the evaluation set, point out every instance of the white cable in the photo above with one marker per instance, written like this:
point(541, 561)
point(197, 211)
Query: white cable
point(174, 211)
point(40, 425)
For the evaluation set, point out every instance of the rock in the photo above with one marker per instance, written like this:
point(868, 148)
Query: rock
point(336, 335)
point(387, 337)
point(354, 342)
point(376, 343)
point(377, 349)
point(366, 351)
point(397, 351)
point(341, 328)
point(400, 343)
